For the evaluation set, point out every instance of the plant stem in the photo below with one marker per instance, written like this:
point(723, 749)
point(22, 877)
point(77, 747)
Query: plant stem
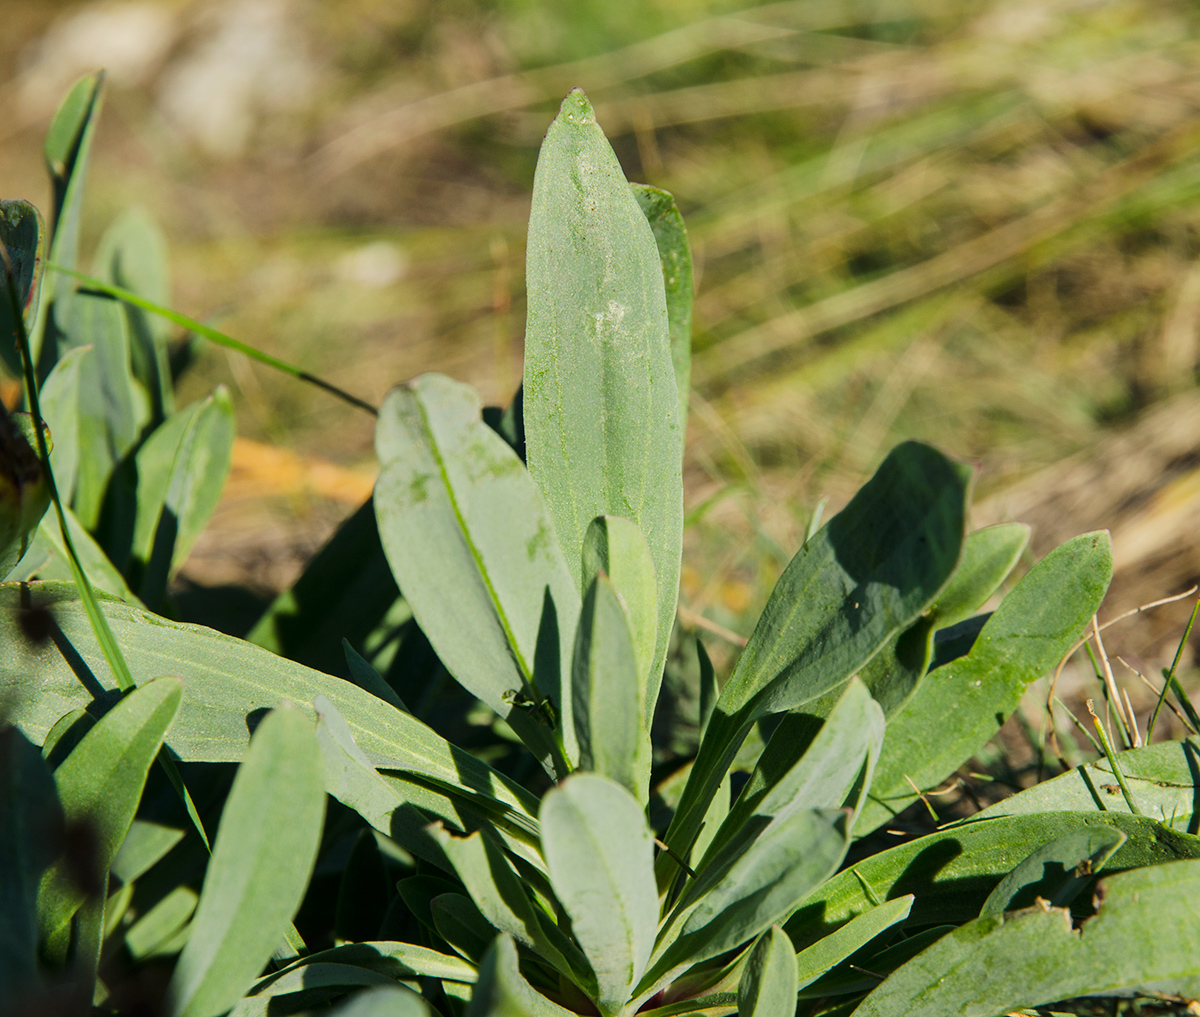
point(1112, 761)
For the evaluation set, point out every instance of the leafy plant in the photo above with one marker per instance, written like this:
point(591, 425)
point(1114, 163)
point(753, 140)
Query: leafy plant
point(534, 557)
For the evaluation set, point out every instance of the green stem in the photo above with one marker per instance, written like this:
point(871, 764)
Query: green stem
point(1112, 761)
point(1172, 683)
point(212, 335)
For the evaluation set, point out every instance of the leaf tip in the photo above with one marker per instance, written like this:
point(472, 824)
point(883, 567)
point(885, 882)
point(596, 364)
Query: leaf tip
point(576, 108)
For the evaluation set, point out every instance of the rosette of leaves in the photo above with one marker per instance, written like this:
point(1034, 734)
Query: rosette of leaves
point(546, 586)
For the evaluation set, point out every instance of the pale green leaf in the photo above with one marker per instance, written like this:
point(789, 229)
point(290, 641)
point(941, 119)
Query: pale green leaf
point(813, 961)
point(384, 1001)
point(769, 980)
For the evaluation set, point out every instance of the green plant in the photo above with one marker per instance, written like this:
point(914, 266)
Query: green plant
point(609, 875)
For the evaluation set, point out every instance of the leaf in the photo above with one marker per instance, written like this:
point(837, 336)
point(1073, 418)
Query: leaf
point(958, 707)
point(59, 398)
point(827, 953)
point(501, 991)
point(395, 960)
point(616, 547)
point(607, 693)
point(101, 572)
point(181, 469)
point(309, 985)
point(458, 921)
point(1145, 936)
point(31, 829)
point(951, 872)
point(24, 492)
point(1163, 779)
point(865, 576)
point(751, 884)
point(473, 549)
point(228, 680)
point(154, 931)
point(602, 427)
point(601, 858)
point(261, 862)
point(23, 236)
point(384, 1001)
point(800, 769)
point(768, 985)
point(988, 556)
point(345, 592)
point(1055, 872)
point(670, 234)
point(100, 784)
point(502, 898)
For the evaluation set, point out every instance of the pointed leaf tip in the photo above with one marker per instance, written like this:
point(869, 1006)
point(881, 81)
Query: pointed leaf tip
point(577, 108)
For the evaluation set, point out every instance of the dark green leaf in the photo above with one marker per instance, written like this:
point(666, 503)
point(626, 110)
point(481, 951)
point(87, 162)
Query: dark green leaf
point(813, 961)
point(458, 921)
point(23, 235)
point(384, 1001)
point(502, 991)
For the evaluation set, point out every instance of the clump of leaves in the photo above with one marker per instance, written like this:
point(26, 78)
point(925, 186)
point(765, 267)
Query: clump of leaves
point(536, 553)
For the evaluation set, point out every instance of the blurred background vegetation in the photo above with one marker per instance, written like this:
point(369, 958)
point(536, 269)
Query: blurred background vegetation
point(974, 222)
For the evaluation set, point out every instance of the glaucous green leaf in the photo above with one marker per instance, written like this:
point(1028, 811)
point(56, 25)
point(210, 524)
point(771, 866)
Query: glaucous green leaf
point(670, 234)
point(868, 574)
point(228, 681)
point(769, 981)
point(181, 469)
point(473, 548)
point(261, 862)
point(396, 960)
point(959, 706)
point(607, 693)
point(825, 954)
point(1055, 872)
point(951, 872)
point(59, 397)
point(306, 987)
point(31, 828)
point(23, 234)
point(502, 991)
point(602, 427)
point(99, 785)
point(153, 933)
point(459, 922)
point(1162, 778)
point(384, 1001)
point(1144, 936)
point(601, 858)
point(616, 547)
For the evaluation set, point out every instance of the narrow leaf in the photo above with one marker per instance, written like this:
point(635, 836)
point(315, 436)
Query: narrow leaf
point(502, 991)
point(769, 981)
point(827, 953)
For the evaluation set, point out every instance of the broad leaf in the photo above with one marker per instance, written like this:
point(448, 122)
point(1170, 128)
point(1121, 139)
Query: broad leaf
point(670, 234)
point(602, 426)
point(384, 1001)
point(261, 862)
point(988, 556)
point(861, 579)
point(607, 693)
point(769, 981)
point(472, 547)
point(1055, 872)
point(959, 706)
point(100, 784)
point(601, 858)
point(1145, 936)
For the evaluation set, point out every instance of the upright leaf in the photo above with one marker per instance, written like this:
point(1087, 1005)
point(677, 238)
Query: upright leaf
point(602, 425)
point(472, 547)
point(960, 705)
point(601, 858)
point(59, 398)
point(502, 991)
point(607, 694)
point(100, 784)
point(261, 862)
point(670, 234)
point(867, 575)
point(23, 236)
point(769, 981)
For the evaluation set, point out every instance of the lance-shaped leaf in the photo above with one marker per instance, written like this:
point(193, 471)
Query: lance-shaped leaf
point(502, 991)
point(809, 763)
point(473, 548)
point(31, 828)
point(101, 572)
point(960, 705)
point(616, 547)
point(181, 469)
point(23, 234)
point(755, 881)
point(228, 681)
point(503, 899)
point(261, 862)
point(607, 693)
point(459, 922)
point(769, 981)
point(813, 961)
point(384, 1001)
point(1055, 872)
point(397, 960)
point(602, 428)
point(100, 784)
point(670, 234)
point(601, 858)
point(864, 577)
point(60, 409)
point(1145, 936)
point(24, 492)
point(1164, 780)
point(951, 872)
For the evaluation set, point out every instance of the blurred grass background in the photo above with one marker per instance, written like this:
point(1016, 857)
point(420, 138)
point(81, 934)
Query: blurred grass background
point(972, 222)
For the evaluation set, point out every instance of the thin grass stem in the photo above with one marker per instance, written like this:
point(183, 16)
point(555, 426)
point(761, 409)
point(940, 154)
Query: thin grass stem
point(1112, 761)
